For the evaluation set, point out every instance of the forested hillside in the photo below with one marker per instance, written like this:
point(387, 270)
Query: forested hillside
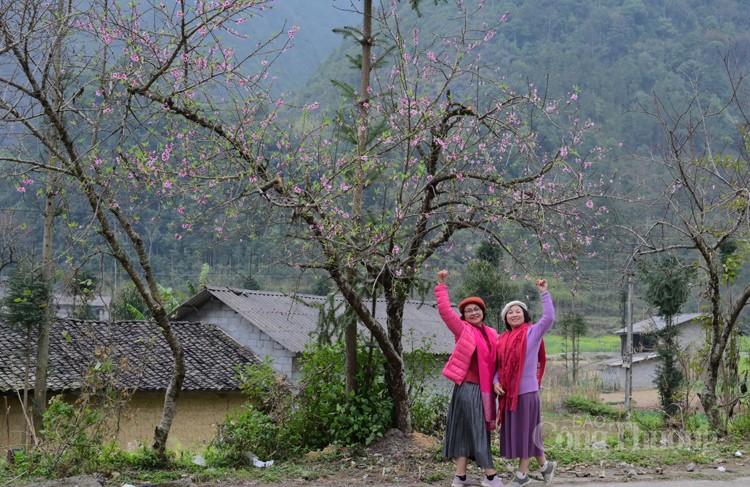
point(612, 53)
point(616, 56)
point(612, 56)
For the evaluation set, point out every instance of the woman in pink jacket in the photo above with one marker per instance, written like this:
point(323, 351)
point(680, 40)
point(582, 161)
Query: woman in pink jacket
point(471, 366)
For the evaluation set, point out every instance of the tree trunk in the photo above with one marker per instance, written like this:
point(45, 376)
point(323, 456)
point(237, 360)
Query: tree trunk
point(161, 432)
point(710, 405)
point(395, 301)
point(575, 358)
point(396, 381)
point(350, 342)
point(149, 291)
point(389, 343)
point(42, 347)
point(29, 427)
point(48, 269)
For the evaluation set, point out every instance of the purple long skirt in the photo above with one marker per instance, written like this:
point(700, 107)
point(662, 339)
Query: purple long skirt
point(521, 430)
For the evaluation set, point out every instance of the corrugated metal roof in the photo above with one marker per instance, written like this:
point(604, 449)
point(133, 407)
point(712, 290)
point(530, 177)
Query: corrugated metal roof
point(637, 357)
point(655, 323)
point(140, 355)
point(291, 319)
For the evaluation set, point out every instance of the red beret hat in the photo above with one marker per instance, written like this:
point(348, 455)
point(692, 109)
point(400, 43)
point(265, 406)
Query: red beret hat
point(471, 300)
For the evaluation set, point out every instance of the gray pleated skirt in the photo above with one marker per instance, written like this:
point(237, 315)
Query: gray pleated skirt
point(521, 430)
point(465, 432)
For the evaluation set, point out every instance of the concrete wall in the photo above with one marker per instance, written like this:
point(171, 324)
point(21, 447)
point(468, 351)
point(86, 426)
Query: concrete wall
point(691, 338)
point(196, 423)
point(613, 378)
point(644, 373)
point(247, 334)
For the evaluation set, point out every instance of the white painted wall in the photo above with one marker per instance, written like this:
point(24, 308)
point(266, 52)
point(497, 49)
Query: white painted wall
point(247, 334)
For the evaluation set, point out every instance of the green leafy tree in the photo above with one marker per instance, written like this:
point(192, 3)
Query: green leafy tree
point(573, 326)
point(668, 285)
point(129, 305)
point(83, 285)
point(483, 277)
point(24, 307)
point(25, 299)
point(14, 241)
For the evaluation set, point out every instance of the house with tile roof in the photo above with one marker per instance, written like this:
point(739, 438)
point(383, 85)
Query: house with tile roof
point(279, 326)
point(645, 360)
point(66, 305)
point(135, 358)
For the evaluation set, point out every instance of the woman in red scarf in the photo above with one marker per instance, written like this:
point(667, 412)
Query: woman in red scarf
point(471, 366)
point(521, 361)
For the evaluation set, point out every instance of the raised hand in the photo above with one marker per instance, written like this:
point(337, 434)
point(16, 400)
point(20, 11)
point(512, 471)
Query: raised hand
point(541, 285)
point(442, 276)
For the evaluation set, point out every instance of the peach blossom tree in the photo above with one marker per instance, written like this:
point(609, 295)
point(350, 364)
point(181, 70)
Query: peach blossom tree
point(167, 111)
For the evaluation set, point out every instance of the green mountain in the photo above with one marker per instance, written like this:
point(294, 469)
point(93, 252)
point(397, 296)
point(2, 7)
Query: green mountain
point(313, 40)
point(614, 53)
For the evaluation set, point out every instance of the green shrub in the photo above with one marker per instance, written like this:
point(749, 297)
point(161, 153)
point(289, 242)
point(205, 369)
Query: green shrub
point(328, 415)
point(359, 420)
point(649, 421)
point(429, 413)
point(651, 425)
point(256, 427)
point(739, 426)
point(246, 431)
point(70, 436)
point(143, 458)
point(279, 421)
point(72, 441)
point(695, 423)
point(594, 408)
point(428, 406)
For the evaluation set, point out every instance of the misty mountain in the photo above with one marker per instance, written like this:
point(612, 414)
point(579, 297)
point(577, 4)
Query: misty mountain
point(311, 44)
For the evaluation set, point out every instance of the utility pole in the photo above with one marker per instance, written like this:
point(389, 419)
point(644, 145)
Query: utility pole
point(627, 357)
point(52, 191)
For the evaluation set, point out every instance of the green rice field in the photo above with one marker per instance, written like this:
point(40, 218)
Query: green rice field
point(606, 343)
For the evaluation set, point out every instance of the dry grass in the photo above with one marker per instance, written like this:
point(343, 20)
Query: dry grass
point(558, 385)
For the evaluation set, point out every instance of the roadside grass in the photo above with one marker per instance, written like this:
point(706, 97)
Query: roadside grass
point(640, 440)
point(578, 441)
point(580, 432)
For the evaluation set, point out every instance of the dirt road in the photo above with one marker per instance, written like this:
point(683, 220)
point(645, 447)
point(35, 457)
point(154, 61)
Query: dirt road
point(727, 482)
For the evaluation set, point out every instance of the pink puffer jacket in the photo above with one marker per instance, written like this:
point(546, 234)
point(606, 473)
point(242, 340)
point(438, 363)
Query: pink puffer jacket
point(460, 360)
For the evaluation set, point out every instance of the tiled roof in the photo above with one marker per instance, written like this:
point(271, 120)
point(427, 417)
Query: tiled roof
point(141, 357)
point(655, 323)
point(291, 319)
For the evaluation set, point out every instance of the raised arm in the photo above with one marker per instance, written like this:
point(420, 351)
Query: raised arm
point(548, 312)
point(449, 316)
